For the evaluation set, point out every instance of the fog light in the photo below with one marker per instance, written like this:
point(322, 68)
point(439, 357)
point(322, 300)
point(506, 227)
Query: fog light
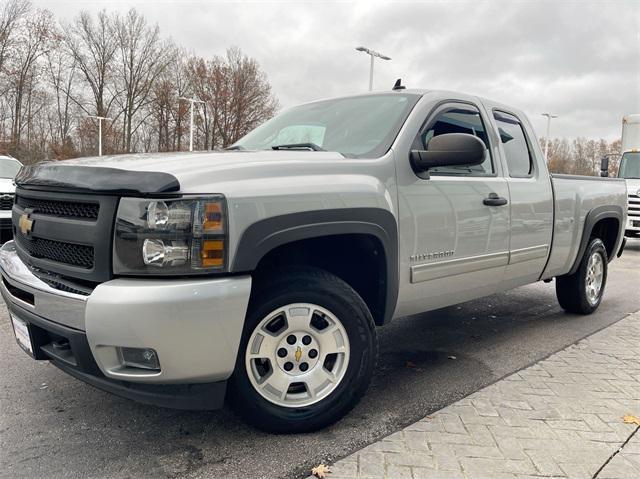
point(141, 358)
point(156, 253)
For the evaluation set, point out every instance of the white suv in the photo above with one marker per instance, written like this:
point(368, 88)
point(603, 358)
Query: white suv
point(9, 167)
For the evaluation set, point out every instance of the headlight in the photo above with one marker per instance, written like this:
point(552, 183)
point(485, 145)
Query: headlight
point(170, 236)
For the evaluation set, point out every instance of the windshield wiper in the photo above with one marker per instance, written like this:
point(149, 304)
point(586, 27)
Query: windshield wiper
point(298, 146)
point(235, 147)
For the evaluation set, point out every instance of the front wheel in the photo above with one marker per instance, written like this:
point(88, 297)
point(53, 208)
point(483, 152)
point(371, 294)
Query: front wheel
point(582, 291)
point(307, 354)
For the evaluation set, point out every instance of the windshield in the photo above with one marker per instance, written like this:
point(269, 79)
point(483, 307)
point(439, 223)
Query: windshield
point(629, 165)
point(361, 126)
point(9, 168)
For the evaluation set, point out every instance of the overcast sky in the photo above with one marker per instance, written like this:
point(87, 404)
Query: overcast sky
point(577, 59)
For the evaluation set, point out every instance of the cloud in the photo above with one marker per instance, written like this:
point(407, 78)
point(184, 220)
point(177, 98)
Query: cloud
point(579, 60)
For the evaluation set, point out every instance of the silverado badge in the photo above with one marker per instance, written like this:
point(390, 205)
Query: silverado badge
point(25, 224)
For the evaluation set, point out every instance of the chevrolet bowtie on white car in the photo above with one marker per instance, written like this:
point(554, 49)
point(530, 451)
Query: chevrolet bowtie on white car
point(260, 274)
point(9, 167)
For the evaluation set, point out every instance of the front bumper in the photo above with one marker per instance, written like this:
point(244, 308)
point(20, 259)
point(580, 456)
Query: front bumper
point(194, 325)
point(633, 225)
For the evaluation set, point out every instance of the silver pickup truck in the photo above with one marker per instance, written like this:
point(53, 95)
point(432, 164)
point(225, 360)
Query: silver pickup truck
point(260, 274)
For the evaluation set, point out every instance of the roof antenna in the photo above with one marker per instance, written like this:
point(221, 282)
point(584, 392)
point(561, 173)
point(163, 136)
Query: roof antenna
point(398, 85)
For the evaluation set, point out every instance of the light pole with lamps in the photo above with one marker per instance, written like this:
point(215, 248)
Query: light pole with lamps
point(546, 138)
point(372, 54)
point(191, 101)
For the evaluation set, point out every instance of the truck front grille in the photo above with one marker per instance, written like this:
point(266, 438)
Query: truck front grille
point(634, 207)
point(65, 234)
point(67, 253)
point(65, 209)
point(6, 202)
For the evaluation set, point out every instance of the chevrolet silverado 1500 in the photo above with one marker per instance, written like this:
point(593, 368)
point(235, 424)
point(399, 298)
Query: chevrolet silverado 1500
point(260, 273)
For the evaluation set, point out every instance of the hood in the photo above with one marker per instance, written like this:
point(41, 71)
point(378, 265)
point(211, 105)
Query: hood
point(168, 172)
point(6, 185)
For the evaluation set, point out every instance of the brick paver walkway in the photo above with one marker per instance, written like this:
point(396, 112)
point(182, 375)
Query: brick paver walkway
point(560, 418)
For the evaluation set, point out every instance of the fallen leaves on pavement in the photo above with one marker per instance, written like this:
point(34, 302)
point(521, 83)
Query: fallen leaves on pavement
point(320, 471)
point(629, 419)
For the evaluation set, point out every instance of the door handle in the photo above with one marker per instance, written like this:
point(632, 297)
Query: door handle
point(494, 200)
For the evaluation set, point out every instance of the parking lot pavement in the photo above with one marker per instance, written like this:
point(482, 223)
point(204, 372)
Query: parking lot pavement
point(561, 417)
point(54, 426)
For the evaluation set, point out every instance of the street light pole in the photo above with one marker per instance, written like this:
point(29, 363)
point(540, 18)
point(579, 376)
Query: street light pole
point(191, 101)
point(100, 118)
point(372, 54)
point(546, 138)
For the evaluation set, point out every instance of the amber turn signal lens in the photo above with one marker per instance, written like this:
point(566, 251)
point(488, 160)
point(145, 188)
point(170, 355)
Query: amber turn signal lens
point(212, 253)
point(212, 217)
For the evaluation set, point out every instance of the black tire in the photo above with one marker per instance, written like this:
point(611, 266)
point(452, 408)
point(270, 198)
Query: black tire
point(318, 287)
point(571, 290)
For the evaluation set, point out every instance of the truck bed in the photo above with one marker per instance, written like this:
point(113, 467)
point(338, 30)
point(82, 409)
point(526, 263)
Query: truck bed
point(574, 197)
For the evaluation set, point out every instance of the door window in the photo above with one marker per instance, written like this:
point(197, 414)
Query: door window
point(514, 144)
point(459, 119)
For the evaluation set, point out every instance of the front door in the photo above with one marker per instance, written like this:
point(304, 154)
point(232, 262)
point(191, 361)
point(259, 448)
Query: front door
point(454, 239)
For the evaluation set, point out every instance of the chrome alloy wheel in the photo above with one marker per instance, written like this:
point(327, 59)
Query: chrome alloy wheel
point(297, 355)
point(595, 275)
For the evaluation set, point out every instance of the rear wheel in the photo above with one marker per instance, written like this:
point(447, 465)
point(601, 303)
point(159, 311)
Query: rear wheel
point(307, 354)
point(582, 291)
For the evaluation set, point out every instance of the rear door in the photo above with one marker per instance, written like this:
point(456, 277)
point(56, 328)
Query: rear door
point(530, 197)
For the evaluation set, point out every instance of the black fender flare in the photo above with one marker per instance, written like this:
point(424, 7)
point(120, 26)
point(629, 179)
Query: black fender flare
point(265, 235)
point(593, 216)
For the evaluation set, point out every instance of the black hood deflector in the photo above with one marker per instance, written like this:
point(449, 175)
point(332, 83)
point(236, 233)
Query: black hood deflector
point(95, 179)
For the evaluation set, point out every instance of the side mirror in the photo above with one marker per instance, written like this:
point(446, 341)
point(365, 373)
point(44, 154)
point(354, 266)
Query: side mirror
point(604, 166)
point(448, 150)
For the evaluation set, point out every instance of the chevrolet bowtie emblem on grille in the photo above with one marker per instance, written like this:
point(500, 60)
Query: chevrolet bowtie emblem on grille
point(25, 224)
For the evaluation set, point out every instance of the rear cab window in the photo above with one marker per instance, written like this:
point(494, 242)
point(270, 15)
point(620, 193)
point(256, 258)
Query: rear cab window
point(516, 147)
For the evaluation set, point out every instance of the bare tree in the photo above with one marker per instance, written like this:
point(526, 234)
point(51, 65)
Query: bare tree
point(33, 37)
point(204, 80)
point(61, 69)
point(581, 156)
point(119, 66)
point(143, 57)
point(93, 46)
point(236, 93)
point(10, 14)
point(169, 113)
point(252, 102)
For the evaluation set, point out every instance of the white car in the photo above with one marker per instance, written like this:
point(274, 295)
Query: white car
point(9, 167)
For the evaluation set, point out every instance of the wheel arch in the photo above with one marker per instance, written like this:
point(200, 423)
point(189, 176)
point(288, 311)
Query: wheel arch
point(361, 236)
point(604, 222)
